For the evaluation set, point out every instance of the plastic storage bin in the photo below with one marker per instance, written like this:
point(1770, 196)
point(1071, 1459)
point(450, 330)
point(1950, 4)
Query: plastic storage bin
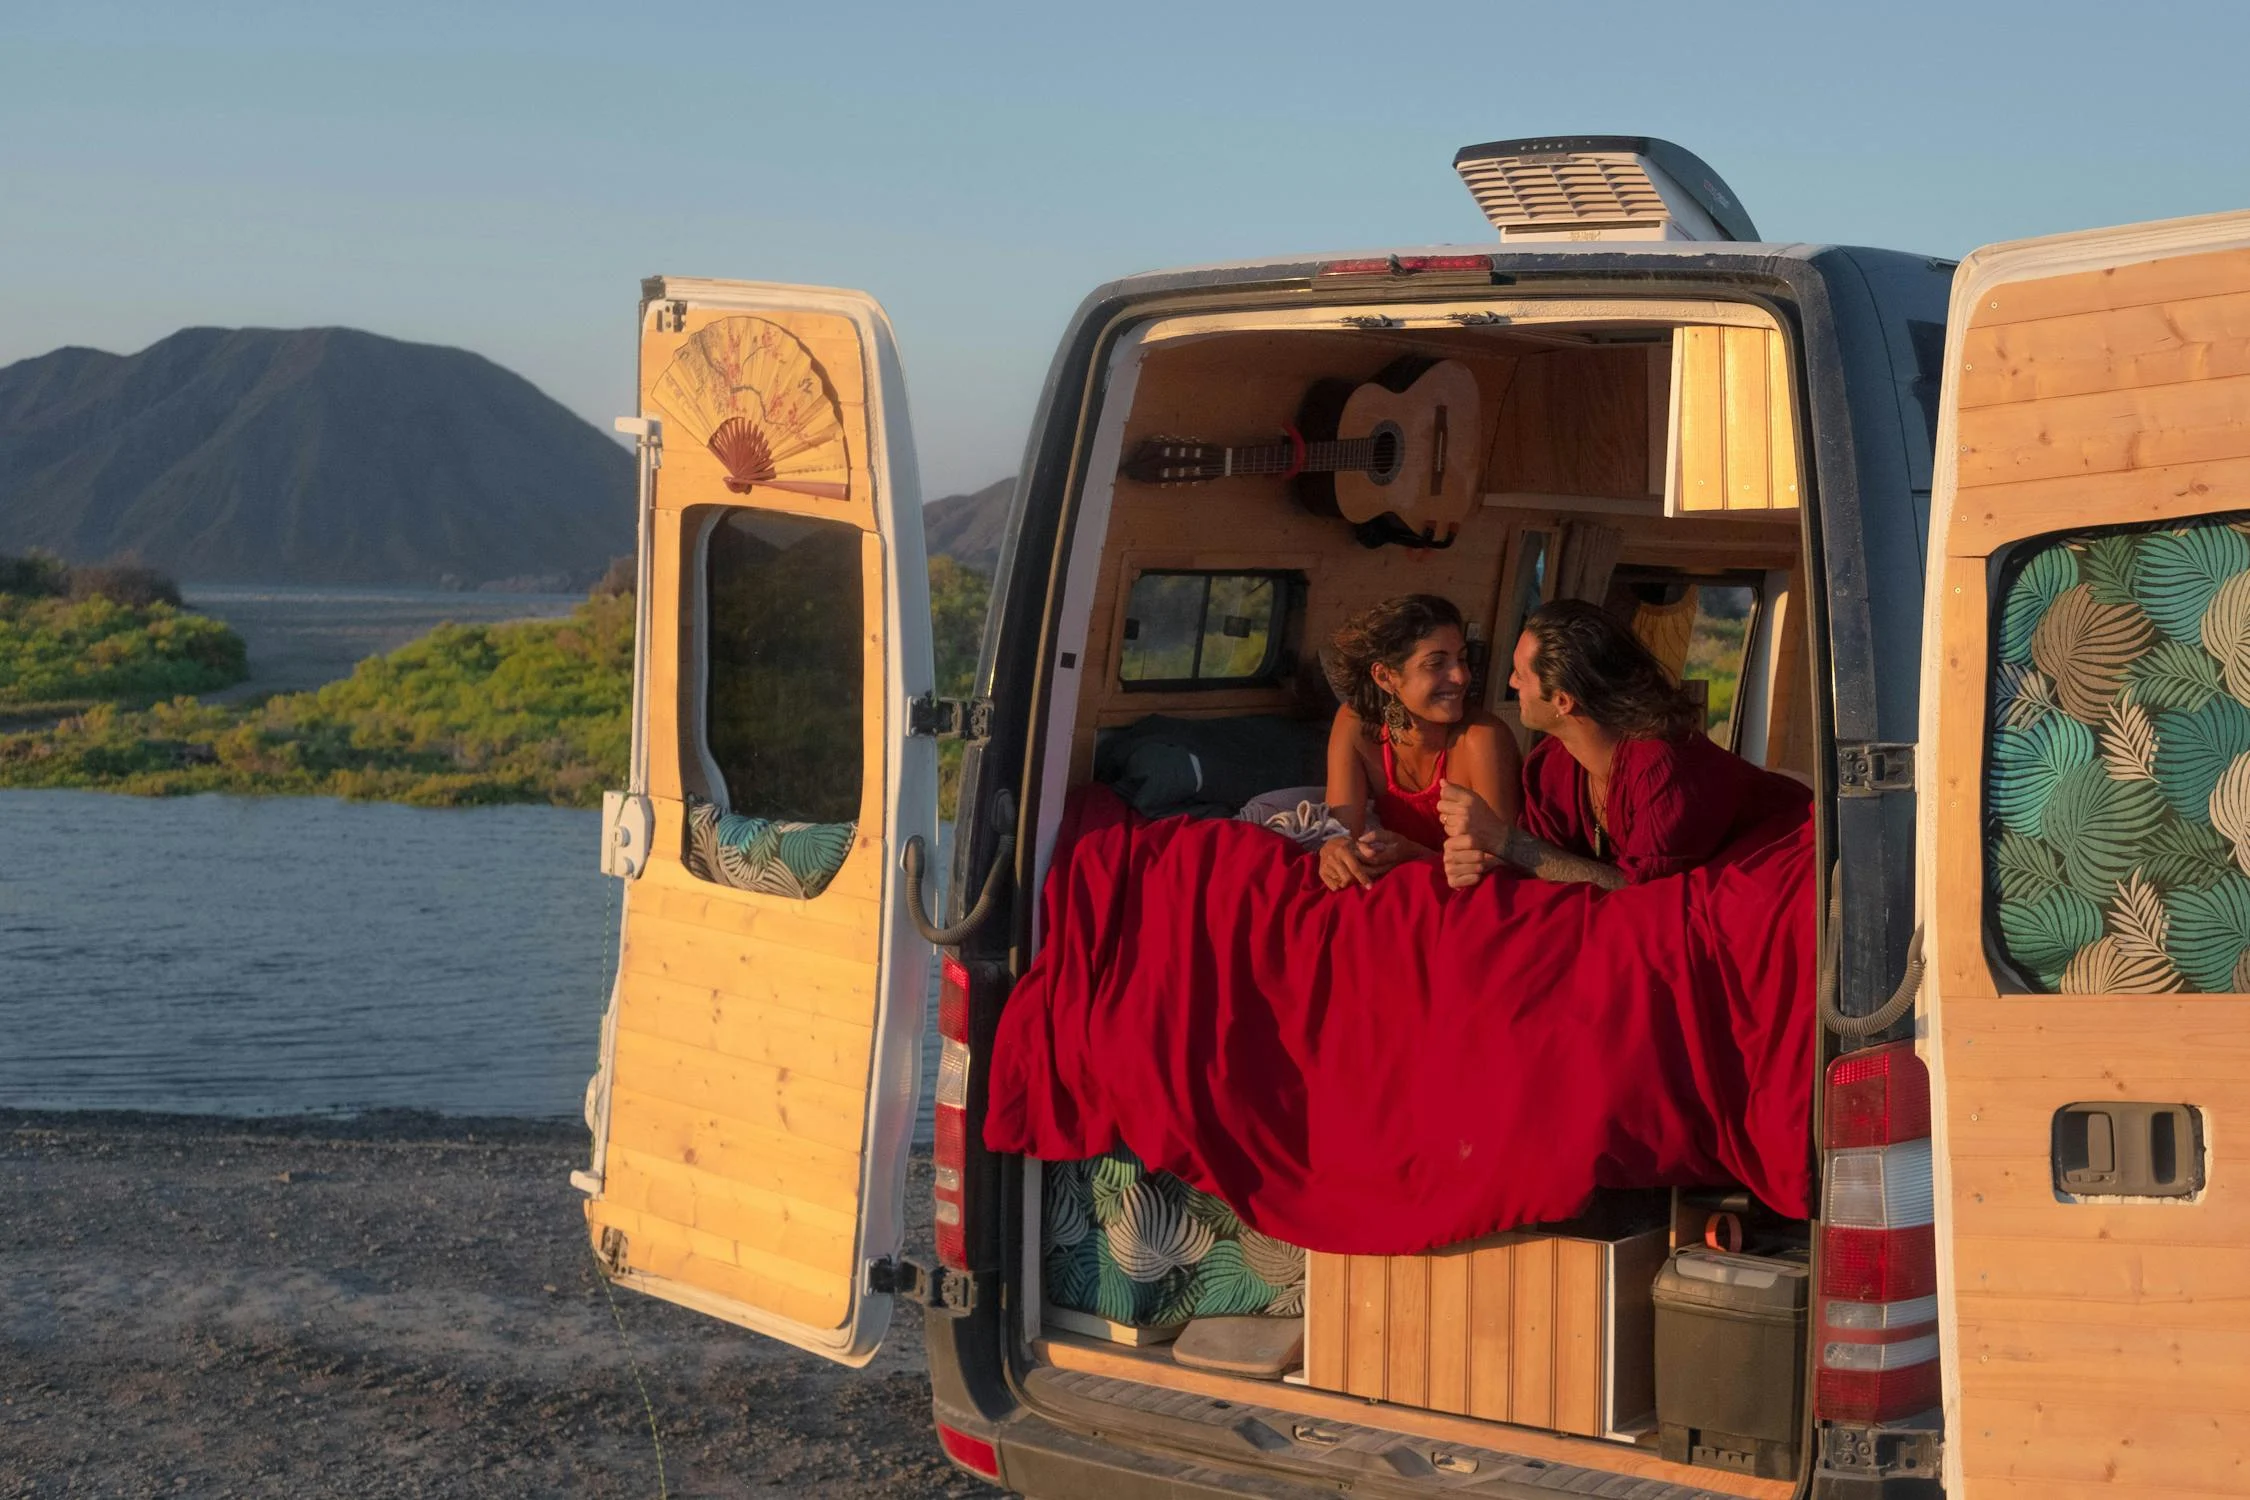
point(1730, 1357)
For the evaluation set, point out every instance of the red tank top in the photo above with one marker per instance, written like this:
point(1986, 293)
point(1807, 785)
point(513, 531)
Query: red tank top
point(1411, 815)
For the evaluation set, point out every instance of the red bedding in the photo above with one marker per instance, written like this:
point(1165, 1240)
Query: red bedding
point(1388, 1070)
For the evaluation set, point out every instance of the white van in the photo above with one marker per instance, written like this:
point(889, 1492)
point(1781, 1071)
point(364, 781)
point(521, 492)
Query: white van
point(1963, 546)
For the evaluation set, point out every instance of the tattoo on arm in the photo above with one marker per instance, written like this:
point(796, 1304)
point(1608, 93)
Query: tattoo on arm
point(1547, 862)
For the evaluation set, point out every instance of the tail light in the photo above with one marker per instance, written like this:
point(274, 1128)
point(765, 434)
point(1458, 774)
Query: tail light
point(971, 1453)
point(1408, 265)
point(1878, 1251)
point(950, 1152)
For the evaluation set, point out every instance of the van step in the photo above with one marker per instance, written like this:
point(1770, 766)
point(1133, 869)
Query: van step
point(1366, 1460)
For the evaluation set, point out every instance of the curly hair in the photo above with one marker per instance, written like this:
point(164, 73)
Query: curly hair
point(1387, 633)
point(1582, 650)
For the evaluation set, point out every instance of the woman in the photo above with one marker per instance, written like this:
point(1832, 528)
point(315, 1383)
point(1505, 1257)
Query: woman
point(1404, 731)
point(1626, 786)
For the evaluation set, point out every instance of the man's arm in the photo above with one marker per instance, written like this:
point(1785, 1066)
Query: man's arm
point(1544, 860)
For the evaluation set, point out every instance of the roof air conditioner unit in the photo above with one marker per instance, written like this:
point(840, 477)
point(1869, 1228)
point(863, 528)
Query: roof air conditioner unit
point(1599, 187)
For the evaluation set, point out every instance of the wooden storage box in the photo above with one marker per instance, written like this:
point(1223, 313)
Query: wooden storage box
point(1538, 1330)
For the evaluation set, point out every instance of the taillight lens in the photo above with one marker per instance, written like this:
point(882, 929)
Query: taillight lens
point(971, 1453)
point(1878, 1337)
point(1406, 265)
point(949, 1155)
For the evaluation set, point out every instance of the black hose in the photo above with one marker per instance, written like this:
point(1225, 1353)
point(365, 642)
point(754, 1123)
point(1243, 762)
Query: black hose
point(1003, 862)
point(1884, 1016)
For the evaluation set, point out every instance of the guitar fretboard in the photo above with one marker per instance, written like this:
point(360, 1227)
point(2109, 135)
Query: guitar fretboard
point(1320, 458)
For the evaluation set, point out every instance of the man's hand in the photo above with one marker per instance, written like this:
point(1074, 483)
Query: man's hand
point(1465, 863)
point(1465, 815)
point(1342, 866)
point(1380, 849)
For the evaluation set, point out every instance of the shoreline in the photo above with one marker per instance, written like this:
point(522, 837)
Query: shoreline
point(396, 1302)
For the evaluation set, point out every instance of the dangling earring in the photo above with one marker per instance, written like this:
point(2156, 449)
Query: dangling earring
point(1395, 717)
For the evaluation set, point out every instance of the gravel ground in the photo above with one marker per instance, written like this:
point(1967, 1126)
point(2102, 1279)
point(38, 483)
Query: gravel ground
point(395, 1305)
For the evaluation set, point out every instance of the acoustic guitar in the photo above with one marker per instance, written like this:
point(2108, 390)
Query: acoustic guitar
point(1396, 456)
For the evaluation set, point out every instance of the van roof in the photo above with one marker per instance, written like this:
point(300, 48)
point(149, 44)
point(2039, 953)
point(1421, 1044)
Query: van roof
point(1548, 257)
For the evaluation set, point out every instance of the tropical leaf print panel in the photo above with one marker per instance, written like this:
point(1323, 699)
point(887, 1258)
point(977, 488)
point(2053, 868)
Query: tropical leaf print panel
point(2117, 837)
point(1144, 1248)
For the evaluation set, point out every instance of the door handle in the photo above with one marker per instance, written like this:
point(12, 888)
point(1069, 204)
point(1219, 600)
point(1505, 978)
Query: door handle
point(2125, 1149)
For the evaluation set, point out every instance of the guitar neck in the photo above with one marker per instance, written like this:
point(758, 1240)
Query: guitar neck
point(1318, 458)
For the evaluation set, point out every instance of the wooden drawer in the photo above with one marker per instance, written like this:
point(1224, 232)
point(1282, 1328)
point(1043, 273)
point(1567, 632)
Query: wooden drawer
point(1538, 1330)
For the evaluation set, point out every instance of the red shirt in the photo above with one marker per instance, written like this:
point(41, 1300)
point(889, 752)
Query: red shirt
point(1673, 804)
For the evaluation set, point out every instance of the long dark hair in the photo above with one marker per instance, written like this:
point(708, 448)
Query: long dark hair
point(1388, 634)
point(1582, 650)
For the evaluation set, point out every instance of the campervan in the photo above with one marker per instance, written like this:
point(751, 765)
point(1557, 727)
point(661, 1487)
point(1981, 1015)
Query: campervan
point(1962, 547)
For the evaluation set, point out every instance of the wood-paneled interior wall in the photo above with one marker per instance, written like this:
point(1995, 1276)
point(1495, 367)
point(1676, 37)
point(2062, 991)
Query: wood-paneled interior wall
point(1562, 422)
point(1510, 1329)
point(1735, 437)
point(2102, 1346)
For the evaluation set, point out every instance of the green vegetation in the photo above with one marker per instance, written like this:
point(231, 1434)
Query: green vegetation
point(533, 711)
point(958, 597)
point(74, 637)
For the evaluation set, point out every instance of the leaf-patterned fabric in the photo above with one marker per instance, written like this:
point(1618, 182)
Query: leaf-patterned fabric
point(1144, 1248)
point(2118, 791)
point(764, 854)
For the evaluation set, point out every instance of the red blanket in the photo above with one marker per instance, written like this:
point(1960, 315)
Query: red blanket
point(1388, 1070)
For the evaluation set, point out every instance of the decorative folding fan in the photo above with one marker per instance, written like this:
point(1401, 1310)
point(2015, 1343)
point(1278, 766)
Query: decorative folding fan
point(749, 390)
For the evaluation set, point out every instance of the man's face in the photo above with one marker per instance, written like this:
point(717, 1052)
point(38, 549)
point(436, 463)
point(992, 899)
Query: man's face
point(1537, 710)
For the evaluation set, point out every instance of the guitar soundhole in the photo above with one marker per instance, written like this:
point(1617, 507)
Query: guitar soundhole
point(1387, 446)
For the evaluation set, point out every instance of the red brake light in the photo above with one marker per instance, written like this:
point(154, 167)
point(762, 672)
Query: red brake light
point(1878, 1265)
point(953, 1001)
point(1406, 265)
point(1878, 1097)
point(971, 1453)
point(1878, 1334)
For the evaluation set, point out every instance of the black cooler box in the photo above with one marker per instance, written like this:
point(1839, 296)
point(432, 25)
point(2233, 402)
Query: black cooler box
point(1730, 1361)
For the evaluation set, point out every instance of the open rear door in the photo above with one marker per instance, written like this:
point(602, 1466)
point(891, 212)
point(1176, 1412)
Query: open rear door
point(755, 1103)
point(2085, 822)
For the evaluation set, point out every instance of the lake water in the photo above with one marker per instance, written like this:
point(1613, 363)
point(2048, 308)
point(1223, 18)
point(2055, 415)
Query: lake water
point(300, 636)
point(241, 955)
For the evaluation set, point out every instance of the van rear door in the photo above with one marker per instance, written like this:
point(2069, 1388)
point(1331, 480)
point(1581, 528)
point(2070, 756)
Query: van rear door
point(760, 1057)
point(2085, 828)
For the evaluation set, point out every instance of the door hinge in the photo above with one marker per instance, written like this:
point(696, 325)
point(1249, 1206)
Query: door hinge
point(610, 1250)
point(1865, 768)
point(953, 1293)
point(950, 718)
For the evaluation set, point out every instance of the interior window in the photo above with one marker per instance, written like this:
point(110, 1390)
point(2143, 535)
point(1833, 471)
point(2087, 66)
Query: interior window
point(1526, 591)
point(2117, 790)
point(1699, 628)
point(782, 633)
point(1194, 629)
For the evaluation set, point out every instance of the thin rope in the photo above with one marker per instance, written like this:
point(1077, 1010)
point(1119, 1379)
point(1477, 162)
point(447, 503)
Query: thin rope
point(633, 1363)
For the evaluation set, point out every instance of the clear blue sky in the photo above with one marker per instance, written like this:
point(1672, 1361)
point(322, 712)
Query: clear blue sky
point(500, 176)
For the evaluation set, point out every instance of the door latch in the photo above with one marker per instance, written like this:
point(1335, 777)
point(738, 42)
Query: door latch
point(2120, 1149)
point(912, 1279)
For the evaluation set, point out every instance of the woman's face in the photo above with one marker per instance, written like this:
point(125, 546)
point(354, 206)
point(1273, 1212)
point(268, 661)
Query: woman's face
point(1433, 681)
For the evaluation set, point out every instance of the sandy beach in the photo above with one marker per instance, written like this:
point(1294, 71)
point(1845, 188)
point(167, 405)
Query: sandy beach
point(398, 1304)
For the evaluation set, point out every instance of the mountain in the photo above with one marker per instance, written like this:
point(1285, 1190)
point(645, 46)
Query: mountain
point(968, 528)
point(316, 455)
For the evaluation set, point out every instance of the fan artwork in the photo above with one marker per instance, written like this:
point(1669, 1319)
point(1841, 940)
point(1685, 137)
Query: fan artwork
point(750, 391)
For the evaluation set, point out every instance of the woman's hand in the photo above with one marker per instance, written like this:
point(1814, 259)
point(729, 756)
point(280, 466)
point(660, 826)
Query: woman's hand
point(1466, 863)
point(1341, 865)
point(1465, 815)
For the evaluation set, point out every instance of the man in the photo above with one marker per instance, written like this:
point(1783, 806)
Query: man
point(1626, 786)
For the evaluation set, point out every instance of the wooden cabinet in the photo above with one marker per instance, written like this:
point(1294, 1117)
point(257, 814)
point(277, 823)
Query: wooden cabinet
point(1734, 426)
point(1539, 1330)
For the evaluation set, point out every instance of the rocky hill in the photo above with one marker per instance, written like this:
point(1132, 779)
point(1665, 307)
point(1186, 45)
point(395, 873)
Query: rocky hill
point(968, 528)
point(319, 455)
